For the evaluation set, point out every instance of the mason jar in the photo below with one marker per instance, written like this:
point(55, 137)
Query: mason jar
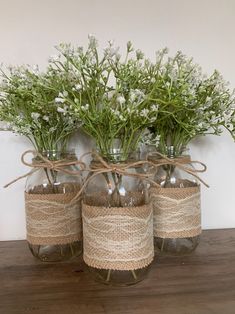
point(176, 204)
point(117, 223)
point(53, 214)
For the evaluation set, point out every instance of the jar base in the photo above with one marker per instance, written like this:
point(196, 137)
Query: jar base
point(175, 246)
point(118, 277)
point(56, 253)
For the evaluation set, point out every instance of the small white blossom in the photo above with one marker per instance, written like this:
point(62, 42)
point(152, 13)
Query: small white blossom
point(61, 110)
point(121, 100)
point(60, 100)
point(154, 107)
point(35, 115)
point(93, 42)
point(53, 58)
point(85, 108)
point(77, 87)
point(111, 52)
point(46, 118)
point(136, 96)
point(144, 113)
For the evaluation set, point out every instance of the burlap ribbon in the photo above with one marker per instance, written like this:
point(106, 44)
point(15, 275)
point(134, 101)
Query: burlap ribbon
point(118, 238)
point(177, 211)
point(51, 219)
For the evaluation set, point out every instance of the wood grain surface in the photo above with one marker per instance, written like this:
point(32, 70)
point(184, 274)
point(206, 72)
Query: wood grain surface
point(202, 283)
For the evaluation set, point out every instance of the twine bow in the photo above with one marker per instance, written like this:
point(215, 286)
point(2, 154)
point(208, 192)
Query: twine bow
point(102, 167)
point(180, 163)
point(45, 163)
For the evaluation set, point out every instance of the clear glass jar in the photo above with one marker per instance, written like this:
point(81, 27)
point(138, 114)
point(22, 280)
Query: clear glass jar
point(176, 206)
point(53, 219)
point(117, 225)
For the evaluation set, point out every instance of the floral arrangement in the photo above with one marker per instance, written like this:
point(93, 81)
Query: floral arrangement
point(190, 103)
point(113, 98)
point(30, 106)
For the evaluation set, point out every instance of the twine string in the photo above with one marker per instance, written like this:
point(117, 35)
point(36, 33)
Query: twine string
point(180, 163)
point(100, 166)
point(45, 163)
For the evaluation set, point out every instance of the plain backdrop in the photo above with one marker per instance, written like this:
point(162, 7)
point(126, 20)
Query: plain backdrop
point(204, 29)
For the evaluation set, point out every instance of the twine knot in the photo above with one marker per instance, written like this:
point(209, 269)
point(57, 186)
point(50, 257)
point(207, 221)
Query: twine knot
point(179, 162)
point(41, 162)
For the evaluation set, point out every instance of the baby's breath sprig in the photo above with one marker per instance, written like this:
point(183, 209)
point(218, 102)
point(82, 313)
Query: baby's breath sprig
point(31, 102)
point(113, 98)
point(190, 103)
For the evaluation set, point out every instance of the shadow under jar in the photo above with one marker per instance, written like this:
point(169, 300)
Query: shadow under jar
point(53, 217)
point(176, 206)
point(117, 226)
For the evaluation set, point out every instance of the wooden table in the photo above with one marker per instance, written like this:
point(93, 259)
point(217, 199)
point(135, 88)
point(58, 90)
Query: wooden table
point(201, 283)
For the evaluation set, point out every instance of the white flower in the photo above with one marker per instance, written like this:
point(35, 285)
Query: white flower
point(121, 100)
point(154, 107)
point(136, 95)
point(53, 58)
point(46, 118)
point(35, 69)
point(61, 110)
point(85, 108)
point(153, 119)
point(110, 94)
point(35, 115)
point(52, 129)
point(111, 52)
point(78, 87)
point(121, 117)
point(144, 113)
point(93, 42)
point(59, 100)
point(3, 95)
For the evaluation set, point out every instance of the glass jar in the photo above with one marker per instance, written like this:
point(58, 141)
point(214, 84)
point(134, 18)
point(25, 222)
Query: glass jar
point(117, 225)
point(53, 216)
point(176, 205)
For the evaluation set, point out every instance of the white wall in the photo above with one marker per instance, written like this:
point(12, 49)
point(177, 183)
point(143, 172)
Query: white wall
point(200, 28)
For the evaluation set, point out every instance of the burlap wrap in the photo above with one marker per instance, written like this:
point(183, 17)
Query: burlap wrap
point(53, 218)
point(176, 212)
point(118, 238)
